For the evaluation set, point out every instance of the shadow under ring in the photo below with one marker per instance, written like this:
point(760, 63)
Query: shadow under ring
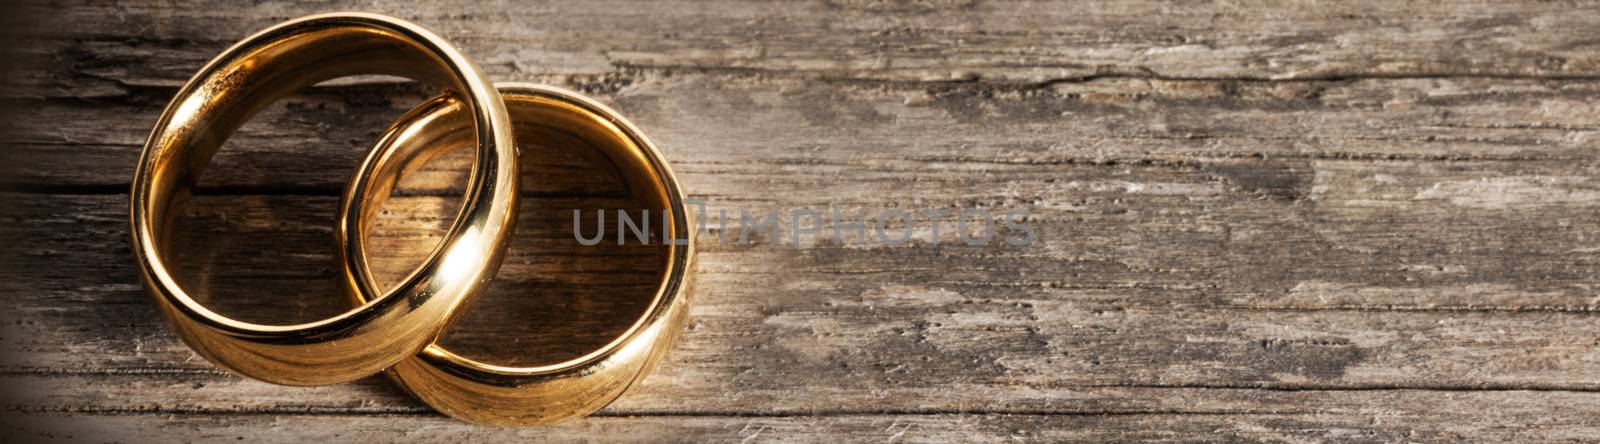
point(492, 394)
point(245, 79)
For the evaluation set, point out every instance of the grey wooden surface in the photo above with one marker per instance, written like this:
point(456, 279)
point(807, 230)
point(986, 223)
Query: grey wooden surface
point(1276, 222)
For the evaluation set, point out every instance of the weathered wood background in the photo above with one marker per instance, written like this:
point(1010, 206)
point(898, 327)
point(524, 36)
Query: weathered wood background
point(1290, 221)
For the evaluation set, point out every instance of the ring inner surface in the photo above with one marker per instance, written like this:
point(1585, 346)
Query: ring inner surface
point(257, 75)
point(554, 299)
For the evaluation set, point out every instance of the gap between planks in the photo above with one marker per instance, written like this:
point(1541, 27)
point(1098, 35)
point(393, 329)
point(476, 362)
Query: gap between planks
point(1247, 386)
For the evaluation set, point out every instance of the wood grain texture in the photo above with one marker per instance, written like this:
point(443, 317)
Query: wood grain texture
point(1369, 221)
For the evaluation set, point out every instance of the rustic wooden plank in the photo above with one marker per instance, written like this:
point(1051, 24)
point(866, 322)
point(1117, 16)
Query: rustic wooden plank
point(97, 48)
point(706, 115)
point(1232, 293)
point(1269, 427)
point(711, 125)
point(214, 392)
point(1405, 226)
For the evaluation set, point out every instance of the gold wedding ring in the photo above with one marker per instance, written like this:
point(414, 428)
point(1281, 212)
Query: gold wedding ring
point(396, 329)
point(254, 73)
point(485, 393)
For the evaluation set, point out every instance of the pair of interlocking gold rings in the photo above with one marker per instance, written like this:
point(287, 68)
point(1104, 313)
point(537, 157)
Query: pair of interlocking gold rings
point(395, 330)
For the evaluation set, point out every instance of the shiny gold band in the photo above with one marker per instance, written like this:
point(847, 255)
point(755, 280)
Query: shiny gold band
point(253, 74)
point(486, 393)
